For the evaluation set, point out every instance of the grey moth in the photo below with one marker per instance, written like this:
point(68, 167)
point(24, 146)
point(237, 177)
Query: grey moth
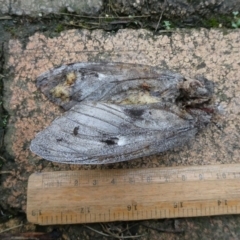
point(118, 111)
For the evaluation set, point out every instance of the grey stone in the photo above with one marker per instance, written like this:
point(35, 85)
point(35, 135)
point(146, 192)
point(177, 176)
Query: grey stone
point(4, 6)
point(171, 8)
point(38, 7)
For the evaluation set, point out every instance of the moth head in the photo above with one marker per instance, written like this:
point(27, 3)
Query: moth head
point(195, 92)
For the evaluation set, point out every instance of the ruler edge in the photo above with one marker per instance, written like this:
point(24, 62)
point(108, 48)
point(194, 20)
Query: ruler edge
point(184, 168)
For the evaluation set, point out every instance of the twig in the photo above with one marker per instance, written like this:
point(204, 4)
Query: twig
point(5, 17)
point(5, 172)
point(166, 31)
point(163, 230)
point(119, 237)
point(128, 228)
point(112, 235)
point(110, 5)
point(8, 229)
point(76, 15)
point(79, 25)
point(3, 159)
point(101, 233)
point(160, 18)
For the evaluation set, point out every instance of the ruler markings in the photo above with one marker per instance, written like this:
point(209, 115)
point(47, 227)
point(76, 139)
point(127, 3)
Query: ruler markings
point(60, 181)
point(114, 195)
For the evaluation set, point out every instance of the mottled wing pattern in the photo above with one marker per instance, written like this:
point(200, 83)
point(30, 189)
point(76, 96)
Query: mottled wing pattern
point(98, 133)
point(70, 84)
point(118, 111)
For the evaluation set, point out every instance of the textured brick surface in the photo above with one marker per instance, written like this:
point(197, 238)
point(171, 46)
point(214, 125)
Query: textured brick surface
point(213, 54)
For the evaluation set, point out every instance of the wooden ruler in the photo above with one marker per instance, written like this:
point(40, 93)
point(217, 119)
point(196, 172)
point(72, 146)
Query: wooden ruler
point(89, 196)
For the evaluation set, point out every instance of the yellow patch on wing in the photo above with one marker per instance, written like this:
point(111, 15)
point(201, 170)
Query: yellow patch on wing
point(61, 91)
point(70, 78)
point(140, 98)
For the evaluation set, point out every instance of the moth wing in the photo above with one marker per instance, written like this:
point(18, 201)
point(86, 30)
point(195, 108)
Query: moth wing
point(99, 133)
point(113, 82)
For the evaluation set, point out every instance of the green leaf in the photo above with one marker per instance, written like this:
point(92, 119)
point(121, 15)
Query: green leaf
point(234, 25)
point(235, 13)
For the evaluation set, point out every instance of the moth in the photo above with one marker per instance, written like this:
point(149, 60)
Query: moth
point(119, 111)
